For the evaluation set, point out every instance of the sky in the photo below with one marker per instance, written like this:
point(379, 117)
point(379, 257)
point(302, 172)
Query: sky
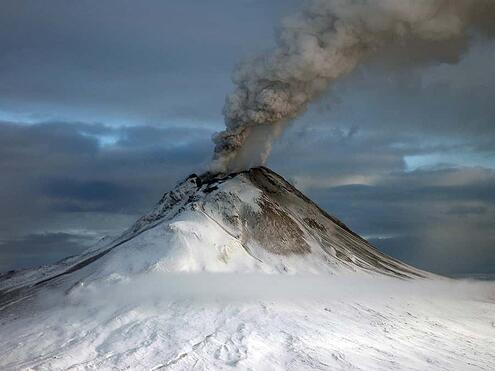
point(105, 106)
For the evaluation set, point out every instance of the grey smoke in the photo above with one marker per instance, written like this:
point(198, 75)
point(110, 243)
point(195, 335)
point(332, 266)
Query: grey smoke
point(327, 40)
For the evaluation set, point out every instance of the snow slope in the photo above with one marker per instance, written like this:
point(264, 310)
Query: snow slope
point(258, 322)
point(241, 271)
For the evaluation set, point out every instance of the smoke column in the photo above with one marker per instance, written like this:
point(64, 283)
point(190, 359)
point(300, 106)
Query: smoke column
point(317, 46)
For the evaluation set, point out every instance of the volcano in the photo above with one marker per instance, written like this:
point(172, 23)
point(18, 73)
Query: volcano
point(250, 221)
point(241, 271)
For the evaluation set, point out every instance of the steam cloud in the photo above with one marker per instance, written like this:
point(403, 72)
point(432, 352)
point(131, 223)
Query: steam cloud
point(319, 45)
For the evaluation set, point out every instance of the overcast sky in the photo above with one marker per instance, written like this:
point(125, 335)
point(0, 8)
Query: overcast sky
point(104, 106)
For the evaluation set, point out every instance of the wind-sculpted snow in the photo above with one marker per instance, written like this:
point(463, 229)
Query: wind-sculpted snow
point(211, 321)
point(241, 271)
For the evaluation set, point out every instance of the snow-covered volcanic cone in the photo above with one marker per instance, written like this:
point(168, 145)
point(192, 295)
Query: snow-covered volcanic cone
point(241, 271)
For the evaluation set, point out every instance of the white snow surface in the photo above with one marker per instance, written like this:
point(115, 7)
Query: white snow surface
point(242, 273)
point(214, 321)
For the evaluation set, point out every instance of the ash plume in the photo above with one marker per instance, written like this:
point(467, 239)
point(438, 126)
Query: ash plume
point(327, 40)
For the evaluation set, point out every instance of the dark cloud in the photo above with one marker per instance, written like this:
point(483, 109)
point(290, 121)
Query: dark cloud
point(52, 171)
point(39, 249)
point(122, 61)
point(462, 257)
point(439, 227)
point(97, 195)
